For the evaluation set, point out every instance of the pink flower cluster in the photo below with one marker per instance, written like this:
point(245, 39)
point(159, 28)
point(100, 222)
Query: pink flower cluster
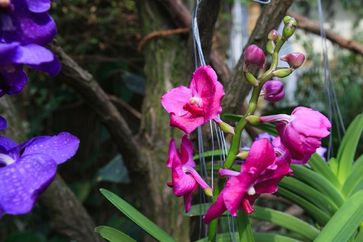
point(268, 160)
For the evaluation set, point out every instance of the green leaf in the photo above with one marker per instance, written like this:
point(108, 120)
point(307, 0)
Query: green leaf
point(320, 216)
point(245, 231)
point(271, 215)
point(267, 127)
point(259, 237)
point(307, 192)
point(354, 178)
point(209, 154)
point(231, 117)
point(320, 166)
point(345, 221)
point(115, 171)
point(113, 235)
point(137, 217)
point(286, 221)
point(348, 147)
point(318, 182)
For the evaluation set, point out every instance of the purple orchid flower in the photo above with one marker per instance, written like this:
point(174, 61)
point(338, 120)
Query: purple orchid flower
point(25, 27)
point(261, 173)
point(302, 131)
point(193, 106)
point(27, 169)
point(27, 22)
point(13, 57)
point(185, 179)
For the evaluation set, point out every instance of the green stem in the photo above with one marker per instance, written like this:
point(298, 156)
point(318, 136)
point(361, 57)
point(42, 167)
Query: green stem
point(244, 224)
point(244, 227)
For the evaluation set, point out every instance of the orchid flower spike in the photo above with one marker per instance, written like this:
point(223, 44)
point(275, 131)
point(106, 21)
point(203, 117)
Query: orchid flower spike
point(185, 179)
point(261, 173)
point(26, 170)
point(193, 106)
point(302, 131)
point(253, 55)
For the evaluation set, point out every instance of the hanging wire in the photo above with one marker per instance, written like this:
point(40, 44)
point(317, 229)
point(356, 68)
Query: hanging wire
point(333, 107)
point(216, 132)
point(262, 2)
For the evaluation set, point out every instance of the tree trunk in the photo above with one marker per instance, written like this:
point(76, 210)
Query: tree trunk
point(165, 67)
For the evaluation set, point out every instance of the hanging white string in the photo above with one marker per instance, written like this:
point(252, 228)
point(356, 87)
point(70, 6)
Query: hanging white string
point(221, 142)
point(262, 2)
point(333, 107)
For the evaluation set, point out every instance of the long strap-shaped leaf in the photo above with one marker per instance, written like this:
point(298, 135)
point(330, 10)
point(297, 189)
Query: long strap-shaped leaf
point(273, 216)
point(286, 221)
point(322, 201)
point(142, 221)
point(318, 182)
point(320, 216)
point(113, 235)
point(320, 166)
point(259, 237)
point(354, 178)
point(348, 148)
point(345, 221)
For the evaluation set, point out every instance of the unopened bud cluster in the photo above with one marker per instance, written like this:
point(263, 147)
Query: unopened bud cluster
point(272, 90)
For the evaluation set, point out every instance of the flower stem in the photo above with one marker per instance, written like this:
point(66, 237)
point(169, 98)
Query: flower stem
point(244, 224)
point(244, 227)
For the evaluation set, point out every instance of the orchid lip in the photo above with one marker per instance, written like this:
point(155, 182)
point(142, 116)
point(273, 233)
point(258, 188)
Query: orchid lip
point(6, 159)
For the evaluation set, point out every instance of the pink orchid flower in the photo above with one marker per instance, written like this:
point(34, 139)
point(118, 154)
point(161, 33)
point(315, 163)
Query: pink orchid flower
point(302, 131)
point(185, 179)
point(193, 106)
point(261, 173)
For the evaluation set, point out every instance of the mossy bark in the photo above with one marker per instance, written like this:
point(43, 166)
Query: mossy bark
point(166, 65)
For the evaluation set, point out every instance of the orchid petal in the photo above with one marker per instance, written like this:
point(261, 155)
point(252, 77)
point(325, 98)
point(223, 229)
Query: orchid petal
point(60, 147)
point(186, 123)
point(23, 181)
point(186, 152)
point(174, 100)
point(215, 210)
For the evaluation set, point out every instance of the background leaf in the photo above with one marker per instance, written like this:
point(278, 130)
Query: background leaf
point(137, 217)
point(113, 235)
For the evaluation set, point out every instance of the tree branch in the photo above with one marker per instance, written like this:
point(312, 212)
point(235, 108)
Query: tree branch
point(314, 27)
point(84, 83)
point(208, 13)
point(237, 87)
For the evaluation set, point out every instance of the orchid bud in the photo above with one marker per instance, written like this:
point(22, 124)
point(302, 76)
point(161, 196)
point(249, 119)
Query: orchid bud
point(224, 126)
point(283, 72)
point(273, 90)
point(270, 47)
point(251, 79)
point(253, 55)
point(273, 35)
point(242, 155)
point(253, 119)
point(208, 191)
point(290, 27)
point(294, 59)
